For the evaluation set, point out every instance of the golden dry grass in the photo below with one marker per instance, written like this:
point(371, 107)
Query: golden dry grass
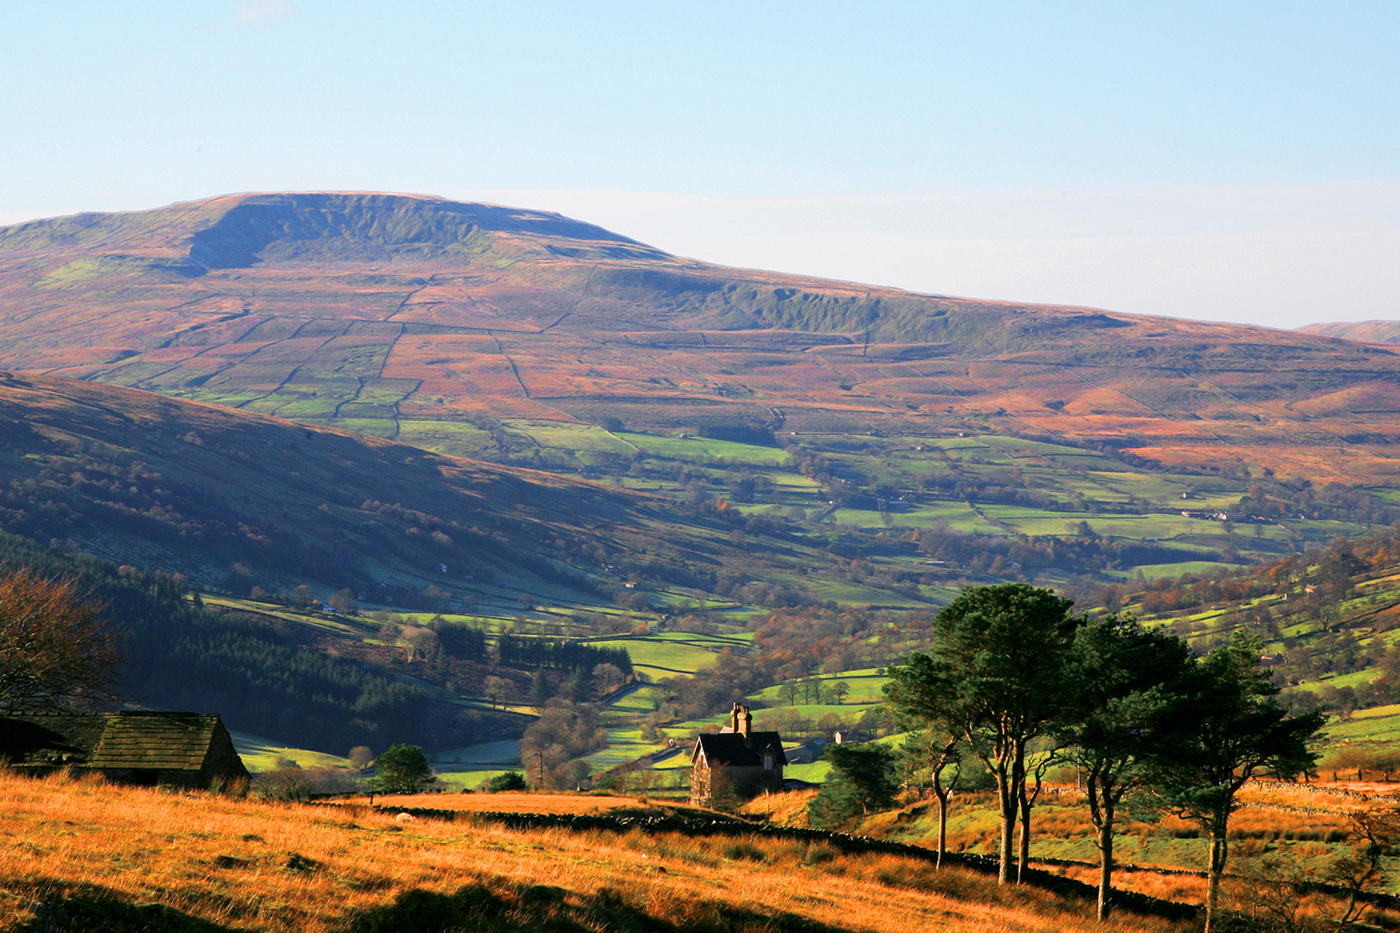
point(245, 865)
point(509, 802)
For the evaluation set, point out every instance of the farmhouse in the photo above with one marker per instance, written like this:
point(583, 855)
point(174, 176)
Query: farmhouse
point(188, 750)
point(737, 759)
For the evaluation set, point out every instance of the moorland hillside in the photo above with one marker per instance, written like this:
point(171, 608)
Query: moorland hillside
point(233, 499)
point(461, 327)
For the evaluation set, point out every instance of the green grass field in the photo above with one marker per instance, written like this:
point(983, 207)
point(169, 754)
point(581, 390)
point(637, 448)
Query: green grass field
point(261, 754)
point(671, 654)
point(700, 449)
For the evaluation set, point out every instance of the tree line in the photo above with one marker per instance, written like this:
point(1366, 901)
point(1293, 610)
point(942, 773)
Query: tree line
point(1018, 682)
point(527, 652)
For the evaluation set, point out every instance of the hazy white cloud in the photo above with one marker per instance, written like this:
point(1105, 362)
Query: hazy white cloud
point(264, 13)
point(1279, 257)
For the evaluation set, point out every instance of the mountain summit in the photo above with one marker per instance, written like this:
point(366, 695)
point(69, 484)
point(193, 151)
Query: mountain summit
point(239, 231)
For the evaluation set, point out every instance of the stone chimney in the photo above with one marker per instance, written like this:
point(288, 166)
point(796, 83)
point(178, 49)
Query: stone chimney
point(746, 725)
point(734, 718)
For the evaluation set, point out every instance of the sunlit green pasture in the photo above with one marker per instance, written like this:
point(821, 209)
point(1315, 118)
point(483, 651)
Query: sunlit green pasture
point(570, 437)
point(865, 688)
point(260, 754)
point(846, 712)
point(703, 448)
point(670, 654)
point(1371, 727)
point(640, 701)
point(1157, 571)
point(1150, 527)
point(469, 766)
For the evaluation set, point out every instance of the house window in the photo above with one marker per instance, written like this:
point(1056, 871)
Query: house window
point(768, 762)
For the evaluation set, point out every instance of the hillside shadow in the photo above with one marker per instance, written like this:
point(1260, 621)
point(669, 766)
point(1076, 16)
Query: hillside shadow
point(94, 909)
point(534, 908)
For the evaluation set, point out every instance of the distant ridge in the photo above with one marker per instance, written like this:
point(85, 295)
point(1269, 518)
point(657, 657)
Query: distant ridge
point(1364, 331)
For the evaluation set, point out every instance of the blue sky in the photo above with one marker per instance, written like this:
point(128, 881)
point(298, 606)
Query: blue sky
point(1235, 161)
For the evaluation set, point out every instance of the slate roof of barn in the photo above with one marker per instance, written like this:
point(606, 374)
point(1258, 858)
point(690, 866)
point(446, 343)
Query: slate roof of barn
point(158, 741)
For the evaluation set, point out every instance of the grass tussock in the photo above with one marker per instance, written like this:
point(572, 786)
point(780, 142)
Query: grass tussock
point(88, 856)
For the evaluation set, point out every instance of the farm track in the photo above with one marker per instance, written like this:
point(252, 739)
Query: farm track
point(392, 343)
point(573, 307)
point(398, 412)
point(359, 387)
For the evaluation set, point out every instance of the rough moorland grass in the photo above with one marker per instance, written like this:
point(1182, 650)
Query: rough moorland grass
point(1304, 825)
point(84, 855)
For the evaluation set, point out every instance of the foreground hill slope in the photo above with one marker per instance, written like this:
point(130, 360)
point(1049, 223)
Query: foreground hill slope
point(99, 857)
point(477, 329)
point(236, 498)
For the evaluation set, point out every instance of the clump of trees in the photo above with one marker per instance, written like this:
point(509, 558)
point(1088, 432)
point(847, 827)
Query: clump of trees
point(509, 781)
point(403, 769)
point(1013, 668)
point(525, 652)
point(553, 748)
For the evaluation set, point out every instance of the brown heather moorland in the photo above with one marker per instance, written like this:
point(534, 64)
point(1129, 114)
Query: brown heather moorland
point(86, 855)
point(396, 315)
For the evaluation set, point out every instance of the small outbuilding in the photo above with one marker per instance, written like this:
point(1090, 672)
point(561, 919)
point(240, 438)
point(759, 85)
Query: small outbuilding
point(189, 750)
point(736, 759)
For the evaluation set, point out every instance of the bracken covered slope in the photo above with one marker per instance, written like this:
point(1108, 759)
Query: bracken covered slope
point(211, 492)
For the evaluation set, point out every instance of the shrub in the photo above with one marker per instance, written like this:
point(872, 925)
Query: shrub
point(744, 850)
point(511, 780)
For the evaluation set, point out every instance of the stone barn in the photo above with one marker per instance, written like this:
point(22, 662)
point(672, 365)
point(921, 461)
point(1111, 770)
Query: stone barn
point(189, 750)
point(737, 759)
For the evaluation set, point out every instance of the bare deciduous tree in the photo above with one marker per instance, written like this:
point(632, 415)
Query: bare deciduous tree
point(55, 650)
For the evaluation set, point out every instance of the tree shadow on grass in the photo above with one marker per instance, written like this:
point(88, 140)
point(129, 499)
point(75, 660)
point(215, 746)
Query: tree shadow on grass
point(506, 908)
point(93, 909)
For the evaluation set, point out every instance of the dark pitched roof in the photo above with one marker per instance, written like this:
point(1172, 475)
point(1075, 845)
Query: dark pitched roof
point(729, 748)
point(50, 740)
point(144, 741)
point(155, 741)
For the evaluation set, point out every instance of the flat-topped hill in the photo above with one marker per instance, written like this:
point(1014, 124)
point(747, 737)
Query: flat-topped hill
point(437, 322)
